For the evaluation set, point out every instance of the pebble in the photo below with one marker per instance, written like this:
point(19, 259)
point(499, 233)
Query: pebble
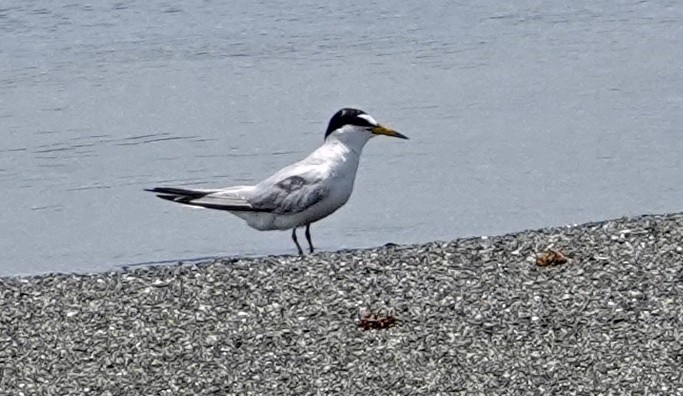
point(474, 316)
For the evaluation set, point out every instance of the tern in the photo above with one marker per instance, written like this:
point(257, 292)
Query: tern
point(301, 193)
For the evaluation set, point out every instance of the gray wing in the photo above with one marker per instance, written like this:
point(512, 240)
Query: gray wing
point(226, 199)
point(290, 195)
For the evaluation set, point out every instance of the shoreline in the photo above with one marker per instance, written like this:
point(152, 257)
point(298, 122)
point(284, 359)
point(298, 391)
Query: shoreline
point(209, 260)
point(472, 315)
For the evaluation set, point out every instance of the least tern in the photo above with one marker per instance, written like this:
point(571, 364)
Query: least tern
point(299, 194)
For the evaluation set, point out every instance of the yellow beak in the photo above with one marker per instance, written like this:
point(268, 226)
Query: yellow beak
point(382, 130)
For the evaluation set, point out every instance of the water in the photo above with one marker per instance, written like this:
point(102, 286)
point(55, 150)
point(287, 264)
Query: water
point(521, 115)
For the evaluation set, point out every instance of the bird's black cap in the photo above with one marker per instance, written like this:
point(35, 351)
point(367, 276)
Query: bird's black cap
point(347, 116)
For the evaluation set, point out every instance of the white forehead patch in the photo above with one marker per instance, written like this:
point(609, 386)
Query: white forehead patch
point(368, 118)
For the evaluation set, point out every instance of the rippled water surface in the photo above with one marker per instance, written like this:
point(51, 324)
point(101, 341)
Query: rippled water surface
point(521, 115)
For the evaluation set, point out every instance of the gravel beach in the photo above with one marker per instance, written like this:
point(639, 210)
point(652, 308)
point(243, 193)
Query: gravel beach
point(473, 316)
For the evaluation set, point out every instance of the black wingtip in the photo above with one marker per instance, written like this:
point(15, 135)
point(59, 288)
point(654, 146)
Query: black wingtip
point(173, 198)
point(178, 191)
point(175, 194)
point(187, 197)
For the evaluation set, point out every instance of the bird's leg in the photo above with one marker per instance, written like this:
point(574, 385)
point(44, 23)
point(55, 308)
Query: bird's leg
point(308, 237)
point(301, 252)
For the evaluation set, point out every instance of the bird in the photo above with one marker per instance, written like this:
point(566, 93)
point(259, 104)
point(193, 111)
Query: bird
point(299, 194)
